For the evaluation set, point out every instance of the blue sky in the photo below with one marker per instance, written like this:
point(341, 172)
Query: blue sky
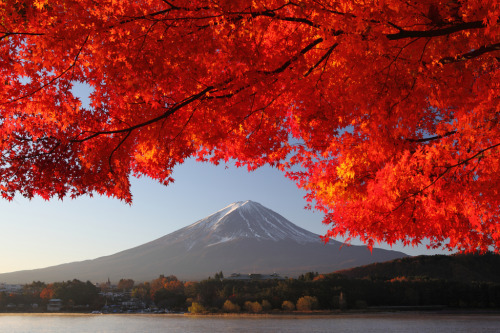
point(42, 233)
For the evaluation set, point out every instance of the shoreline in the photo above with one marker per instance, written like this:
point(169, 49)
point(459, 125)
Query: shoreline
point(366, 312)
point(283, 315)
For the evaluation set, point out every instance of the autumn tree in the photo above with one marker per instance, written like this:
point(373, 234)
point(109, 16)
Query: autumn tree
point(385, 112)
point(34, 289)
point(48, 292)
point(168, 292)
point(288, 306)
point(170, 283)
point(307, 303)
point(253, 307)
point(196, 308)
point(230, 307)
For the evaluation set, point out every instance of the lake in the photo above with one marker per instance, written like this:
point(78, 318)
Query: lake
point(382, 322)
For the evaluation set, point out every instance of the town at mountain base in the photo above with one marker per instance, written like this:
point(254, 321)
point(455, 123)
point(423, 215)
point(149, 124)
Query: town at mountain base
point(425, 283)
point(244, 237)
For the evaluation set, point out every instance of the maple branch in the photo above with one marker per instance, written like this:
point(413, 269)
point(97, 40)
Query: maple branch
point(393, 61)
point(434, 33)
point(7, 34)
point(478, 154)
point(447, 169)
point(145, 16)
point(332, 11)
point(294, 58)
point(183, 127)
point(231, 94)
point(325, 56)
point(271, 13)
point(169, 3)
point(43, 153)
point(251, 113)
point(73, 64)
point(184, 8)
point(111, 169)
point(437, 137)
point(168, 113)
point(470, 55)
point(164, 11)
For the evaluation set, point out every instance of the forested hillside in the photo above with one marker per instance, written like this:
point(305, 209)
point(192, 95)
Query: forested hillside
point(460, 267)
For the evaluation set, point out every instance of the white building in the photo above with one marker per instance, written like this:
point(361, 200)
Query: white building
point(55, 304)
point(11, 288)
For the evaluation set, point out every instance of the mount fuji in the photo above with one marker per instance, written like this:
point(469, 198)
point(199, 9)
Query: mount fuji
point(244, 237)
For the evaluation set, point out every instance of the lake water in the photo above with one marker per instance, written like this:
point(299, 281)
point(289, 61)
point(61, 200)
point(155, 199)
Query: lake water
point(384, 323)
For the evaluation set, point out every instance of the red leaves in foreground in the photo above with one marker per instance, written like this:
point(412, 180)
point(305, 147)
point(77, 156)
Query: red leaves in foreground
point(390, 110)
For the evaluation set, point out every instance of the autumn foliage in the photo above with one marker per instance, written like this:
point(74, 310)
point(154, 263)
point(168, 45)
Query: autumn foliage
point(385, 112)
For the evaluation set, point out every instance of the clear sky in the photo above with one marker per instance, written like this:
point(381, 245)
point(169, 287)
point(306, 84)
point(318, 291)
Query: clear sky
point(42, 233)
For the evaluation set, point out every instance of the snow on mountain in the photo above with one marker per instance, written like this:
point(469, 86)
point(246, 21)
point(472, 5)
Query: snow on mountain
point(240, 220)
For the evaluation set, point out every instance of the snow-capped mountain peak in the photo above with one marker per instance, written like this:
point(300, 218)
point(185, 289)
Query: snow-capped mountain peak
point(242, 220)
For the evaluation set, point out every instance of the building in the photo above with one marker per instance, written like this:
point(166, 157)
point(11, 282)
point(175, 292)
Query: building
point(54, 305)
point(11, 288)
point(254, 277)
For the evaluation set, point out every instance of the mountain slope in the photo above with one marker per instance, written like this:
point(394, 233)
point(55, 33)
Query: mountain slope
point(244, 237)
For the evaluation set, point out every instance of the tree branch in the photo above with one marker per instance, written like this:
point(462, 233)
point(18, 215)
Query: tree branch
point(470, 55)
point(437, 137)
point(73, 64)
point(110, 162)
point(447, 169)
point(168, 113)
point(436, 32)
point(270, 13)
point(8, 33)
point(325, 56)
point(292, 59)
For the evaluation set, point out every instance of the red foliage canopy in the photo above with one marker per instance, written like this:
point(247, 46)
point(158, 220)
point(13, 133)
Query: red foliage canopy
point(389, 108)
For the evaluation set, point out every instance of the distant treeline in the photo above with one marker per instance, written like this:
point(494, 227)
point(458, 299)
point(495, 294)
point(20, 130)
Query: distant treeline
point(459, 267)
point(339, 292)
point(376, 286)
